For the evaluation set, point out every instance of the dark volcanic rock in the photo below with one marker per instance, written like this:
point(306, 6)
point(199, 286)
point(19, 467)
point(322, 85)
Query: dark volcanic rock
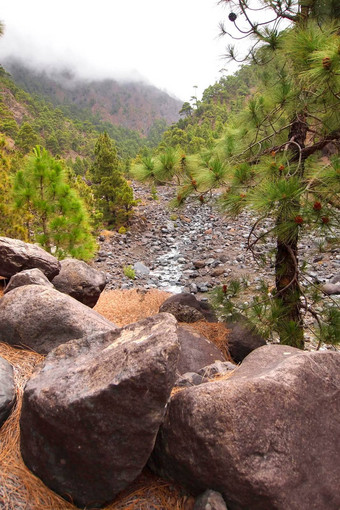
point(39, 318)
point(242, 338)
point(266, 438)
point(16, 255)
point(92, 411)
point(81, 281)
point(7, 389)
point(186, 308)
point(196, 351)
point(28, 277)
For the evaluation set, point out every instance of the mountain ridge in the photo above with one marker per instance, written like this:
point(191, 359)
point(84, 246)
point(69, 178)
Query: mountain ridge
point(134, 105)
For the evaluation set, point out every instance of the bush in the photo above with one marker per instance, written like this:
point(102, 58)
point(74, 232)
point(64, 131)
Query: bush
point(129, 272)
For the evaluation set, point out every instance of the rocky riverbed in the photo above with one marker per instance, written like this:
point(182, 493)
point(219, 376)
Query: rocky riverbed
point(194, 248)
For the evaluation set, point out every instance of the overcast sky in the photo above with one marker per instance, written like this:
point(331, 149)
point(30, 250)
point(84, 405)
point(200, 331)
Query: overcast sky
point(171, 44)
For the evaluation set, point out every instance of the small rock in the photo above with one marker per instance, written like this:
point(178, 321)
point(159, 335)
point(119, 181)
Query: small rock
point(210, 500)
point(331, 288)
point(189, 379)
point(199, 264)
point(216, 368)
point(335, 279)
point(141, 268)
point(218, 271)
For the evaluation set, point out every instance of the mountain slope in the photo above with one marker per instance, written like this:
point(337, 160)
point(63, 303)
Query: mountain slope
point(134, 105)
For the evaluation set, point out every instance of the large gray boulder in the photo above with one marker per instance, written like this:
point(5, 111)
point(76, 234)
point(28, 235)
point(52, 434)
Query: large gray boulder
point(28, 277)
point(39, 318)
point(16, 255)
point(81, 281)
point(7, 389)
point(91, 413)
point(186, 308)
point(265, 438)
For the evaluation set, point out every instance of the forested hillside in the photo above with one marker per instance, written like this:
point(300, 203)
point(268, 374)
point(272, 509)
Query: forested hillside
point(204, 121)
point(136, 106)
point(65, 130)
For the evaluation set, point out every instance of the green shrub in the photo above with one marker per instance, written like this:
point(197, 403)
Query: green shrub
point(129, 272)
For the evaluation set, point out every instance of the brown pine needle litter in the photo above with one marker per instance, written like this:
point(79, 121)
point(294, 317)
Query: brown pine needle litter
point(20, 489)
point(126, 306)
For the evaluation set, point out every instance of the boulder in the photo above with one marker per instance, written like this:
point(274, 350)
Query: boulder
point(199, 264)
point(28, 277)
point(196, 351)
point(39, 318)
point(186, 308)
point(81, 281)
point(335, 279)
point(331, 288)
point(242, 338)
point(267, 437)
point(141, 268)
point(7, 389)
point(16, 255)
point(91, 412)
point(210, 500)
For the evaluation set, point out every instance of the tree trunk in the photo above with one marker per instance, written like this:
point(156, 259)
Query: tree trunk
point(290, 324)
point(286, 264)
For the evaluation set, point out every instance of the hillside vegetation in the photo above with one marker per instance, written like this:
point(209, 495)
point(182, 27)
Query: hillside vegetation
point(67, 121)
point(135, 106)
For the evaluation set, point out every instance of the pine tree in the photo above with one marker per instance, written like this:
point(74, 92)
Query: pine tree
point(113, 194)
point(269, 159)
point(55, 215)
point(296, 115)
point(27, 138)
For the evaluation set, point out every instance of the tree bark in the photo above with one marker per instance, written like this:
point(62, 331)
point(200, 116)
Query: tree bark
point(288, 291)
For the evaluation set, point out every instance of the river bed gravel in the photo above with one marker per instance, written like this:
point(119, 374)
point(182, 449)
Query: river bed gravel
point(194, 249)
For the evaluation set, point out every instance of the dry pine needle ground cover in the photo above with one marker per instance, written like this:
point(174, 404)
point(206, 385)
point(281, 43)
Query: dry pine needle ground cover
point(20, 489)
